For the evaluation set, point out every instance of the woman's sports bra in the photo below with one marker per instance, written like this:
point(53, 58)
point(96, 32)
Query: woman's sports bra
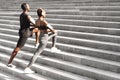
point(43, 27)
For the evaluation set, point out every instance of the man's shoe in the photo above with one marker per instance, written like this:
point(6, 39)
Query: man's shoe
point(36, 45)
point(28, 70)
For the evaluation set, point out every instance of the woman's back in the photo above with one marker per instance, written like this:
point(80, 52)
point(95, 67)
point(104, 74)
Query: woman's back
point(42, 25)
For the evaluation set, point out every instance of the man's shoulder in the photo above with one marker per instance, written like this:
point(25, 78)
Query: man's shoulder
point(24, 14)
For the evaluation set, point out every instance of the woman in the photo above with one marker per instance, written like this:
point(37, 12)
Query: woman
point(45, 28)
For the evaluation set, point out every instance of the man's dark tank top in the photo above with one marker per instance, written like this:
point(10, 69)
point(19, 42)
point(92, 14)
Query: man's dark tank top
point(24, 21)
point(42, 27)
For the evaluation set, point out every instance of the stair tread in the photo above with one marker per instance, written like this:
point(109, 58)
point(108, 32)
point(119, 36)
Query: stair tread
point(50, 69)
point(88, 57)
point(88, 38)
point(74, 32)
point(81, 66)
point(18, 72)
point(114, 63)
point(72, 46)
point(90, 69)
point(71, 38)
point(66, 20)
point(6, 76)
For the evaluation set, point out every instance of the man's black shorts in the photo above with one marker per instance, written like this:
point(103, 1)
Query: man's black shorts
point(23, 36)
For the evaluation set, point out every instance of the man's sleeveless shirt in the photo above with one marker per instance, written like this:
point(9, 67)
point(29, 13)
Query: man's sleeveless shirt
point(24, 21)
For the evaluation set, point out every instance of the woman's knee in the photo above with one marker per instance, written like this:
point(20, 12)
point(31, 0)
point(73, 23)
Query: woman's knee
point(56, 32)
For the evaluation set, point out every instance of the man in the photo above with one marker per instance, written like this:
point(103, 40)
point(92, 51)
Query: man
point(24, 32)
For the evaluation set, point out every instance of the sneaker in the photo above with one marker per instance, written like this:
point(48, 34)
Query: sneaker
point(28, 70)
point(11, 65)
point(36, 45)
point(54, 49)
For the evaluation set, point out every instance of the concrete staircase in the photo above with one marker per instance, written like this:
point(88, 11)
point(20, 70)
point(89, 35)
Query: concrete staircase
point(89, 38)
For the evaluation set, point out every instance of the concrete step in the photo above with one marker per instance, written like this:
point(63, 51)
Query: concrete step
point(65, 2)
point(68, 21)
point(63, 30)
point(68, 7)
point(81, 8)
point(80, 28)
point(85, 42)
point(85, 60)
point(84, 17)
point(88, 51)
point(71, 57)
point(6, 76)
point(77, 56)
point(69, 48)
point(89, 43)
point(57, 12)
point(73, 17)
point(66, 65)
point(90, 36)
point(111, 31)
point(98, 8)
point(90, 13)
point(88, 29)
point(18, 72)
point(48, 70)
point(76, 12)
point(57, 2)
point(69, 4)
point(12, 22)
point(83, 70)
point(104, 24)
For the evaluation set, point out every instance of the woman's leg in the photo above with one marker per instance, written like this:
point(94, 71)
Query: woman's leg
point(54, 38)
point(43, 43)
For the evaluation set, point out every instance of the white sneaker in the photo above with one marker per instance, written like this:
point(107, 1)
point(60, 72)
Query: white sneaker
point(11, 65)
point(36, 45)
point(54, 49)
point(28, 70)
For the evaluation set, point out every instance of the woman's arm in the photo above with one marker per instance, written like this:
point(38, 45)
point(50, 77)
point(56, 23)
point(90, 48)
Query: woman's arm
point(50, 27)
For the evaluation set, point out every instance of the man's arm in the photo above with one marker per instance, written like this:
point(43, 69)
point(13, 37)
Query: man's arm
point(32, 21)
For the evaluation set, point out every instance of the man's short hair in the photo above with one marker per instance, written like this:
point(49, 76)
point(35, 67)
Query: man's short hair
point(39, 12)
point(24, 6)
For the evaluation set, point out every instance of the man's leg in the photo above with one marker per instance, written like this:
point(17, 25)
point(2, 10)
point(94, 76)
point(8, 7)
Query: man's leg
point(20, 44)
point(14, 53)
